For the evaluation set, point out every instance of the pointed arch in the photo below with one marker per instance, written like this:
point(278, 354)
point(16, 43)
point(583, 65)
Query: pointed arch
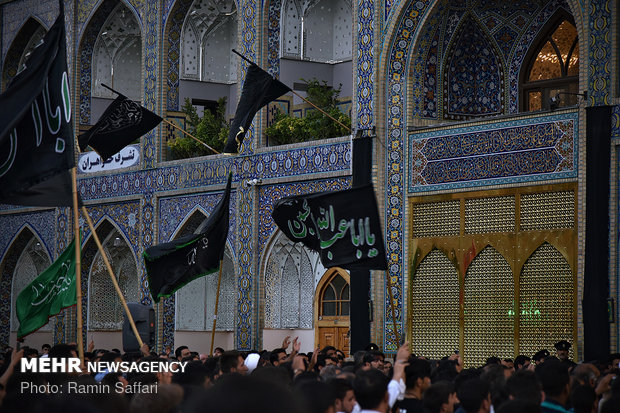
point(85, 57)
point(327, 31)
point(194, 303)
point(290, 29)
point(489, 308)
point(31, 32)
point(117, 55)
point(547, 300)
point(104, 309)
point(290, 275)
point(434, 306)
point(333, 293)
point(473, 73)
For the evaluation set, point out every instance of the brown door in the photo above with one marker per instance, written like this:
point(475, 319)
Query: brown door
point(332, 310)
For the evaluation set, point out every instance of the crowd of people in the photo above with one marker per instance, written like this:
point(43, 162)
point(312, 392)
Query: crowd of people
point(324, 381)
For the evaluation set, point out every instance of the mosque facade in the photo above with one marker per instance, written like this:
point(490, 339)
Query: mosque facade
point(479, 114)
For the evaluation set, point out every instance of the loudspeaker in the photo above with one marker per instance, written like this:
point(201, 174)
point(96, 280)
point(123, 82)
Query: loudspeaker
point(144, 317)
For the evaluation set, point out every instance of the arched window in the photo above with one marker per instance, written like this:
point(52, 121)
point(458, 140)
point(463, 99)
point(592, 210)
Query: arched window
point(117, 57)
point(28, 37)
point(290, 274)
point(209, 33)
point(335, 298)
point(32, 262)
point(550, 77)
point(105, 311)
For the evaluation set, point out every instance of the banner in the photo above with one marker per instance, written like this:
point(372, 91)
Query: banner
point(52, 291)
point(343, 226)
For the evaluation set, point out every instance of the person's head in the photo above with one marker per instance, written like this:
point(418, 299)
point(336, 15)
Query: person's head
point(585, 374)
point(540, 356)
point(418, 374)
point(345, 396)
point(63, 351)
point(583, 399)
point(522, 362)
point(45, 348)
point(218, 351)
point(181, 352)
point(523, 385)
point(475, 396)
point(370, 387)
point(329, 351)
point(554, 379)
point(277, 356)
point(440, 397)
point(509, 363)
point(195, 374)
point(493, 360)
point(316, 396)
point(232, 362)
point(377, 360)
point(562, 347)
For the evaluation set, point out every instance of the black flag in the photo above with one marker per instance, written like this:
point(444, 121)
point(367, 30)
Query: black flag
point(342, 226)
point(36, 134)
point(259, 89)
point(171, 265)
point(123, 122)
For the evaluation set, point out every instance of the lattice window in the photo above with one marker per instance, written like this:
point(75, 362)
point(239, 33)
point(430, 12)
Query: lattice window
point(547, 304)
point(547, 210)
point(327, 31)
point(105, 311)
point(196, 301)
point(291, 29)
point(495, 214)
point(209, 34)
point(489, 308)
point(436, 219)
point(32, 262)
point(289, 285)
point(117, 56)
point(435, 307)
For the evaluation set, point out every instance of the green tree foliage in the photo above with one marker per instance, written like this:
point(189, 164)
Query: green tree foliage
point(211, 129)
point(315, 125)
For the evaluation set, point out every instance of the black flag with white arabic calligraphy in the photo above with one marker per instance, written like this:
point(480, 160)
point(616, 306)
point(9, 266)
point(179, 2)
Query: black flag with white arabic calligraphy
point(342, 226)
point(36, 134)
point(171, 265)
point(123, 122)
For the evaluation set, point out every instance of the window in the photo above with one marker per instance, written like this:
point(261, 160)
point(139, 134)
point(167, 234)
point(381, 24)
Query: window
point(551, 78)
point(335, 298)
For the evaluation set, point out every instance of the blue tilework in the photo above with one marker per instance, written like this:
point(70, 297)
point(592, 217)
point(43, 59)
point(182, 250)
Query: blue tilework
point(365, 64)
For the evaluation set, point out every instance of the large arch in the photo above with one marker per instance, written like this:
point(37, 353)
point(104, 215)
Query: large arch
point(403, 36)
point(85, 54)
point(27, 37)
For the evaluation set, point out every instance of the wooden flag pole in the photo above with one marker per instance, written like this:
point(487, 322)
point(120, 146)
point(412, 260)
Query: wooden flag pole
point(298, 95)
point(389, 286)
point(78, 264)
point(190, 135)
point(112, 276)
point(217, 300)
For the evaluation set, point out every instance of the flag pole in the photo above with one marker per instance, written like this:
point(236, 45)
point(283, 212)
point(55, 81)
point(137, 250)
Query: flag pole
point(78, 265)
point(112, 276)
point(217, 300)
point(190, 135)
point(298, 95)
point(389, 285)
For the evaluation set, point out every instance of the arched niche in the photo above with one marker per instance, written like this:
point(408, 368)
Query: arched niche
point(488, 308)
point(28, 36)
point(434, 307)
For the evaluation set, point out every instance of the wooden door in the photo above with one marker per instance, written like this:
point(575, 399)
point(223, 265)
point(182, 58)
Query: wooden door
point(332, 310)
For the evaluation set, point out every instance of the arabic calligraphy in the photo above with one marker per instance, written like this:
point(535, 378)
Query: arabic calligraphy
point(329, 233)
point(46, 293)
point(92, 162)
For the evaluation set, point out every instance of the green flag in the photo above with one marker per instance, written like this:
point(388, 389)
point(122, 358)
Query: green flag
point(48, 294)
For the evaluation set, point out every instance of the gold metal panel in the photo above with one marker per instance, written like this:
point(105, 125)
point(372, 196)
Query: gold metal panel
point(547, 210)
point(489, 309)
point(435, 219)
point(494, 214)
point(547, 300)
point(435, 307)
